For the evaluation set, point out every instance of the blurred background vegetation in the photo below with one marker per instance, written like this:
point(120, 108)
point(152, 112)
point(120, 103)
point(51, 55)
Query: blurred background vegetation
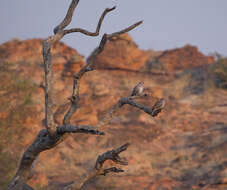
point(16, 107)
point(219, 70)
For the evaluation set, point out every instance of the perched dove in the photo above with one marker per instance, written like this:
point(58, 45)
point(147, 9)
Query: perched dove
point(138, 89)
point(158, 106)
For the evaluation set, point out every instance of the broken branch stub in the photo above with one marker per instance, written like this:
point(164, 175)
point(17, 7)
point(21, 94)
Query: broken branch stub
point(112, 155)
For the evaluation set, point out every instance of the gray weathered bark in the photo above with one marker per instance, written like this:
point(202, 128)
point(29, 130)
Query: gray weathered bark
point(54, 133)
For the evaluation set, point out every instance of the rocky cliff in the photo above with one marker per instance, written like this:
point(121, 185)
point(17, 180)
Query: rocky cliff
point(183, 148)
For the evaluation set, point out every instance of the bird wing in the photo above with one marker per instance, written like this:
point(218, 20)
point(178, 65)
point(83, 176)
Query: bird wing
point(135, 91)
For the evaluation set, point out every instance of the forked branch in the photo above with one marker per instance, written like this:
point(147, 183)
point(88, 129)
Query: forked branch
point(154, 111)
point(112, 155)
point(87, 68)
point(55, 133)
point(59, 33)
point(68, 17)
point(99, 169)
point(88, 33)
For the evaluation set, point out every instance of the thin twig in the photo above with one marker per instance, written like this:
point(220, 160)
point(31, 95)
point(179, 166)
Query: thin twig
point(87, 67)
point(124, 30)
point(83, 31)
point(66, 21)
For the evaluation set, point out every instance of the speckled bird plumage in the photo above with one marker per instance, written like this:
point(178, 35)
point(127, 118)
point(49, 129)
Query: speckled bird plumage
point(138, 89)
point(158, 106)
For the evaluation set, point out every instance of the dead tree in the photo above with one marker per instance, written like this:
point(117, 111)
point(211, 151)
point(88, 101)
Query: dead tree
point(54, 134)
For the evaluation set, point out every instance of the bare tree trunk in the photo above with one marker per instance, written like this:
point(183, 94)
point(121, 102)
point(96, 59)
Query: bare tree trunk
point(54, 134)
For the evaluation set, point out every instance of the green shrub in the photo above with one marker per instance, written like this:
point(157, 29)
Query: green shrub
point(220, 72)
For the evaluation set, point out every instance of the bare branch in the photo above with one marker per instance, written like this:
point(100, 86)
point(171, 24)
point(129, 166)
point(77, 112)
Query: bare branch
point(99, 170)
point(76, 83)
point(45, 141)
point(102, 44)
point(154, 111)
point(112, 155)
point(129, 101)
point(78, 129)
point(94, 54)
point(83, 31)
point(53, 134)
point(48, 87)
point(59, 33)
point(87, 67)
point(112, 169)
point(74, 102)
point(67, 18)
point(124, 30)
point(110, 114)
point(60, 110)
point(107, 37)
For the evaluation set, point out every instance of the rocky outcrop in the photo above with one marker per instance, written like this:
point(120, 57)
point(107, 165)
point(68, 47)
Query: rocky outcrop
point(122, 54)
point(30, 51)
point(183, 148)
point(172, 61)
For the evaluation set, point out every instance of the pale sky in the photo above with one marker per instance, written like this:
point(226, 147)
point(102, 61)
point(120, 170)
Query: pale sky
point(167, 23)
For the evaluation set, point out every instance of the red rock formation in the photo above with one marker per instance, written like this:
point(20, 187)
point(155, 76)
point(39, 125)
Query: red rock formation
point(31, 51)
point(183, 148)
point(181, 58)
point(121, 53)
